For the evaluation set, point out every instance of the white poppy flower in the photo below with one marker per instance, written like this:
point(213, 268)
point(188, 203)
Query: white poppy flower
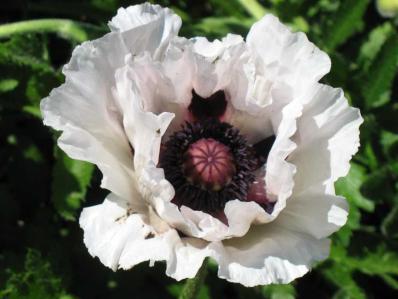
point(226, 149)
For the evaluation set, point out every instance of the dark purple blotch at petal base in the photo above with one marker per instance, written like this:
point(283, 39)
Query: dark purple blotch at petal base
point(207, 108)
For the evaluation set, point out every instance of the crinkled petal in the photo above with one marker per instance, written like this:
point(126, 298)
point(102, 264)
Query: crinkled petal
point(318, 215)
point(144, 129)
point(131, 88)
point(327, 137)
point(269, 254)
point(84, 107)
point(143, 90)
point(196, 223)
point(160, 26)
point(189, 255)
point(108, 227)
point(143, 14)
point(121, 238)
point(287, 68)
point(283, 56)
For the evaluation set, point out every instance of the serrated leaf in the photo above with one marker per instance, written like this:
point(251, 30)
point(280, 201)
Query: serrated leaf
point(380, 262)
point(379, 184)
point(371, 158)
point(37, 280)
point(372, 46)
point(341, 277)
point(71, 179)
point(26, 50)
point(347, 20)
point(377, 89)
point(389, 227)
point(387, 116)
point(389, 141)
point(350, 185)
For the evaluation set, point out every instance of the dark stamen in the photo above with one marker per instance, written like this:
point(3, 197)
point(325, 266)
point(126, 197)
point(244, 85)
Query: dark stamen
point(192, 189)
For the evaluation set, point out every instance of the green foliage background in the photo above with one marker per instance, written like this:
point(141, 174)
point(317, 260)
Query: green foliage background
point(42, 191)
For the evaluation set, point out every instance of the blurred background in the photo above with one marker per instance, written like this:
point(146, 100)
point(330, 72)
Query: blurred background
point(42, 191)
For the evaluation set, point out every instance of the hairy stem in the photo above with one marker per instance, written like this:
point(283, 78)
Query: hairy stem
point(68, 29)
point(192, 286)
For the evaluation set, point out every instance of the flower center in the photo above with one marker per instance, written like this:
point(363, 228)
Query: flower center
point(209, 164)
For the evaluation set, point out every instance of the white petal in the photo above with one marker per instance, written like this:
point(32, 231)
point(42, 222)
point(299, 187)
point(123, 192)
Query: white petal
point(327, 137)
point(269, 254)
point(83, 108)
point(189, 256)
point(142, 14)
point(280, 173)
point(146, 27)
point(198, 224)
point(121, 238)
point(157, 93)
point(204, 66)
point(144, 129)
point(216, 65)
point(283, 56)
point(108, 227)
point(319, 215)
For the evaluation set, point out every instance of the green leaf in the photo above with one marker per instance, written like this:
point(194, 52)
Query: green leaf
point(371, 158)
point(7, 85)
point(377, 89)
point(379, 185)
point(389, 227)
point(26, 50)
point(347, 20)
point(350, 185)
point(389, 141)
point(372, 46)
point(71, 179)
point(254, 8)
point(387, 116)
point(231, 8)
point(32, 110)
point(36, 281)
point(341, 277)
point(380, 262)
point(340, 274)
